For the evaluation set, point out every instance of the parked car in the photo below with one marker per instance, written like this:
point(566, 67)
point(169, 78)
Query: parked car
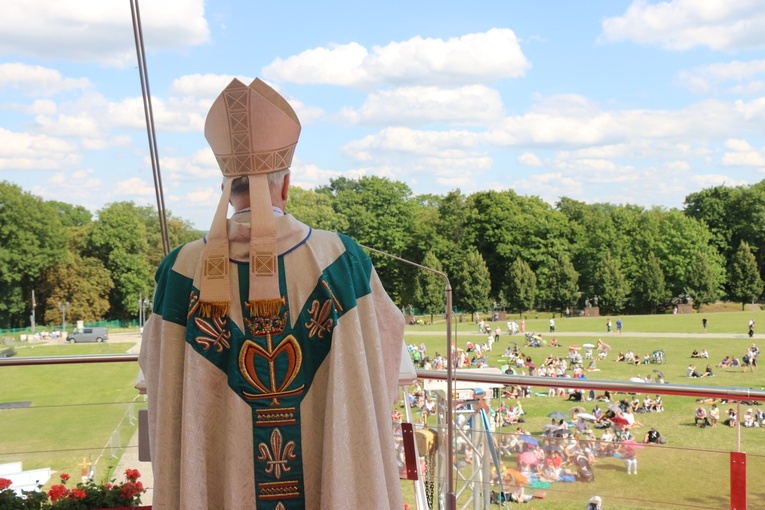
point(88, 335)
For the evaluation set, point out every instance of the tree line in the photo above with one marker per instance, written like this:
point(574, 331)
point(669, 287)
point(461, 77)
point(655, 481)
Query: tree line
point(499, 249)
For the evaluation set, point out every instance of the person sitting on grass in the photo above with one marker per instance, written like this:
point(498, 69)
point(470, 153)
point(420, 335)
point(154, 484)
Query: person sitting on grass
point(749, 420)
point(701, 417)
point(652, 436)
point(695, 354)
point(725, 362)
point(708, 371)
point(692, 372)
point(732, 419)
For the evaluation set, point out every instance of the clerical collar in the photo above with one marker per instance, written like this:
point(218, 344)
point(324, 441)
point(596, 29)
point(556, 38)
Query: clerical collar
point(274, 209)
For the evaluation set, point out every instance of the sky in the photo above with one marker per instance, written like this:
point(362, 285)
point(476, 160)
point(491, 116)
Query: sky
point(639, 102)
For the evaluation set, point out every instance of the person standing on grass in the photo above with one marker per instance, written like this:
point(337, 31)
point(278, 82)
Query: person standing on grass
point(704, 324)
point(618, 326)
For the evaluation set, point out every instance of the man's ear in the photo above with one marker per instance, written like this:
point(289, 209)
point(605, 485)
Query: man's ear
point(286, 187)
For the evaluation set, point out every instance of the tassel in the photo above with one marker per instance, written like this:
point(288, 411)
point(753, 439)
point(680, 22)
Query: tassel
point(214, 309)
point(265, 307)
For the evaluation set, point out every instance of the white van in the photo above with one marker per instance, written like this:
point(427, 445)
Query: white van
point(88, 335)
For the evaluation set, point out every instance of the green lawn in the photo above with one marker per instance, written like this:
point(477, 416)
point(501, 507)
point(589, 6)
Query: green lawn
point(62, 425)
point(693, 468)
point(73, 411)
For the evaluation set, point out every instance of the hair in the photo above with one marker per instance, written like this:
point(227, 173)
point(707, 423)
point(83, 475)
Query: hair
point(241, 184)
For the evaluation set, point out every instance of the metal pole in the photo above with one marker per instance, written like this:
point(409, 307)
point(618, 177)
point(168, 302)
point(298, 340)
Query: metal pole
point(451, 498)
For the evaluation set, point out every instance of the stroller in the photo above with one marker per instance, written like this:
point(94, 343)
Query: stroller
point(584, 471)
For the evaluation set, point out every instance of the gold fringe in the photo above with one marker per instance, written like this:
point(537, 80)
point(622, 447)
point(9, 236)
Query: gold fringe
point(214, 309)
point(265, 307)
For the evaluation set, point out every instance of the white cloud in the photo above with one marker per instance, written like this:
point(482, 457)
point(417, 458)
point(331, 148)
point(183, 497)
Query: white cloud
point(135, 186)
point(709, 78)
point(471, 104)
point(37, 80)
point(81, 187)
point(742, 154)
point(529, 159)
point(550, 186)
point(683, 24)
point(97, 31)
point(472, 58)
point(711, 180)
point(25, 151)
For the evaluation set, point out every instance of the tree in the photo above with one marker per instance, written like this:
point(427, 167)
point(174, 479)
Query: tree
point(562, 284)
point(119, 240)
point(610, 284)
point(315, 210)
point(650, 290)
point(744, 282)
point(521, 290)
point(85, 283)
point(32, 239)
point(429, 293)
point(473, 283)
point(704, 281)
point(380, 214)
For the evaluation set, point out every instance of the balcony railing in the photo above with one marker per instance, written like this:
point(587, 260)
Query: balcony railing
point(704, 478)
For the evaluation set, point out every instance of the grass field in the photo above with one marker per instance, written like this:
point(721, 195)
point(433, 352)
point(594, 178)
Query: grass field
point(68, 421)
point(74, 412)
point(692, 470)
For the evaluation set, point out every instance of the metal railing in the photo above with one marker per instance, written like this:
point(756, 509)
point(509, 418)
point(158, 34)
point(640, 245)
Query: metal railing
point(475, 376)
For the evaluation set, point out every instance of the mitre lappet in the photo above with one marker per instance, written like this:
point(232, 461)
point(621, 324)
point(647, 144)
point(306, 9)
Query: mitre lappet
point(252, 131)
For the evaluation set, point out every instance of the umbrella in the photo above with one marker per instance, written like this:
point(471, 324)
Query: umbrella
point(558, 415)
point(658, 372)
point(529, 458)
point(586, 416)
point(516, 476)
point(588, 345)
point(614, 407)
point(578, 409)
point(620, 420)
point(636, 379)
point(574, 347)
point(550, 426)
point(529, 440)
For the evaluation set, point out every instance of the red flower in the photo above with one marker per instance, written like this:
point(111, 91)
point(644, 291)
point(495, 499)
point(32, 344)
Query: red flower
point(78, 494)
point(132, 474)
point(56, 492)
point(64, 477)
point(4, 483)
point(107, 485)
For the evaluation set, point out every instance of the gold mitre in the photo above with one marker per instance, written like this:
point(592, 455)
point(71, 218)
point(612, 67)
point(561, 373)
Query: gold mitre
point(252, 131)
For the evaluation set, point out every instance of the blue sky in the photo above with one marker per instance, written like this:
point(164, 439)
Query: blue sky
point(602, 101)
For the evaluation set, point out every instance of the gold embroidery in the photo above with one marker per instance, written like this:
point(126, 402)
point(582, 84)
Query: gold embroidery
point(332, 295)
point(273, 389)
point(216, 268)
point(320, 322)
point(263, 264)
point(193, 305)
point(280, 506)
point(215, 331)
point(276, 458)
point(275, 417)
point(279, 490)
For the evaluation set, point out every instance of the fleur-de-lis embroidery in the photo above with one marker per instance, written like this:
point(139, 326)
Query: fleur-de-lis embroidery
point(276, 458)
point(280, 507)
point(320, 322)
point(216, 333)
